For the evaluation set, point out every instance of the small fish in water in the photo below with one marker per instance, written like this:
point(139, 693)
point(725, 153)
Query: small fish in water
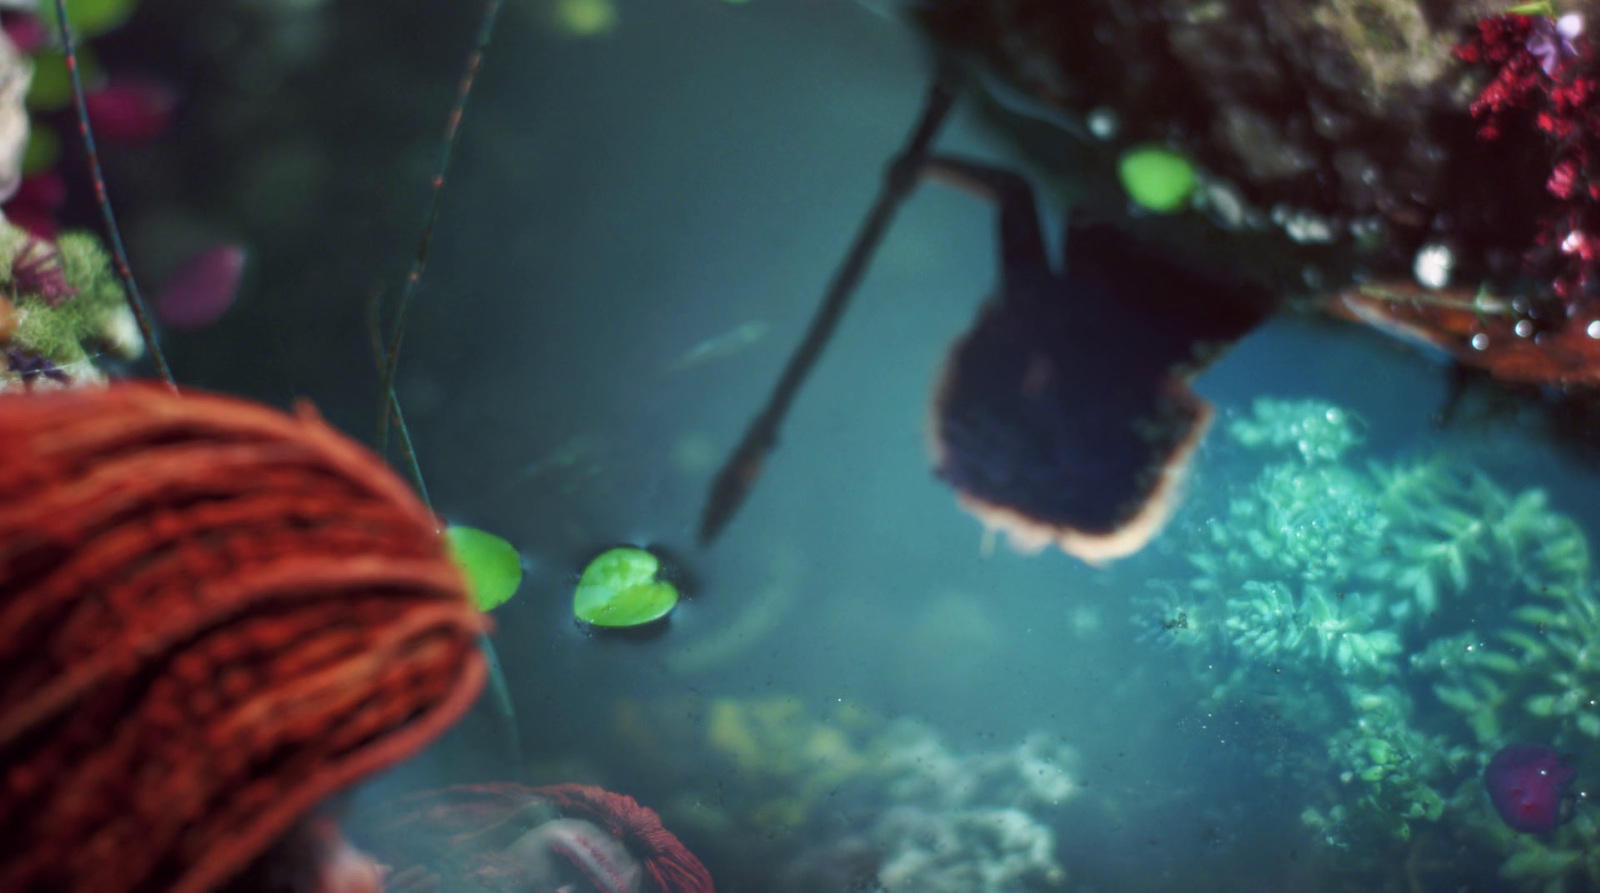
point(725, 345)
point(563, 458)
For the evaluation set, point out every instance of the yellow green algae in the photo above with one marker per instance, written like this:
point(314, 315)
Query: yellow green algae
point(67, 331)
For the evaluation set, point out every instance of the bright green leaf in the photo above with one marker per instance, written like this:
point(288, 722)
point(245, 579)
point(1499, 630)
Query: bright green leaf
point(620, 589)
point(492, 567)
point(1158, 179)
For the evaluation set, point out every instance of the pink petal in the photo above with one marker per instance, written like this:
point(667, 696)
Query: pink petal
point(34, 205)
point(202, 288)
point(28, 34)
point(131, 111)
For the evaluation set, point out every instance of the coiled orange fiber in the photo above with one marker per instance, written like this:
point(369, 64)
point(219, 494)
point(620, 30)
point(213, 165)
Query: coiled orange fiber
point(212, 616)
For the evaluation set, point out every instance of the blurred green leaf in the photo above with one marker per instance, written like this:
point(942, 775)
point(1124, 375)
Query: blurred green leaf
point(88, 18)
point(1158, 179)
point(51, 89)
point(492, 567)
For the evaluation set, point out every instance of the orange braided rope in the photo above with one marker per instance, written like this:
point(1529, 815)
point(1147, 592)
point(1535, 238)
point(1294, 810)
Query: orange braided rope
point(212, 616)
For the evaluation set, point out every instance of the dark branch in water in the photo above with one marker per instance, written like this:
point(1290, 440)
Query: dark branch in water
point(739, 474)
point(119, 255)
point(452, 127)
point(407, 449)
point(387, 358)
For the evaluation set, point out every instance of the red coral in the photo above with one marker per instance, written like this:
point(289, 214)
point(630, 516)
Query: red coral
point(1546, 77)
point(1502, 43)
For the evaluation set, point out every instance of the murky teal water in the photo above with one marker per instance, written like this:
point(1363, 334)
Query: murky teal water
point(852, 650)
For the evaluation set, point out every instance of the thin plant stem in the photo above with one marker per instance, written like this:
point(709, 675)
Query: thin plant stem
point(452, 127)
point(387, 357)
point(119, 255)
point(407, 448)
point(739, 473)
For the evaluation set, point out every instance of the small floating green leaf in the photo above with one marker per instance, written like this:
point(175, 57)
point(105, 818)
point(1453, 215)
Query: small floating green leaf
point(620, 589)
point(1535, 8)
point(492, 567)
point(1159, 179)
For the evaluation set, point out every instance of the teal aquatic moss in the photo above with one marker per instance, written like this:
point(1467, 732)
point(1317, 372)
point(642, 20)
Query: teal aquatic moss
point(1316, 429)
point(1414, 615)
point(72, 330)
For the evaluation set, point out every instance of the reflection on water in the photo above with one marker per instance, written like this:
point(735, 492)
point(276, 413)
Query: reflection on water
point(1349, 613)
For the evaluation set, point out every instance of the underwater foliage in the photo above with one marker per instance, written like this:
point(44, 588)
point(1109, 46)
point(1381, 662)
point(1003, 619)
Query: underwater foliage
point(787, 757)
point(1416, 615)
point(938, 820)
point(66, 303)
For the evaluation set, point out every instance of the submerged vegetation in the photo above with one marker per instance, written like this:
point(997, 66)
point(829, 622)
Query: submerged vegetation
point(1414, 615)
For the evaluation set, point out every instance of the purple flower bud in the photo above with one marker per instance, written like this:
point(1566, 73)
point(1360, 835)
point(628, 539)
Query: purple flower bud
point(1551, 40)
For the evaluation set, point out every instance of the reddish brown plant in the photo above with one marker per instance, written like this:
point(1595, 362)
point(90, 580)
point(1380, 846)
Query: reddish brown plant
point(212, 616)
point(1480, 331)
point(471, 831)
point(1546, 80)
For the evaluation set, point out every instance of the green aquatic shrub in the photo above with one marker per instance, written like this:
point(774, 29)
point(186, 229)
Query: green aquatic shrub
point(1415, 615)
point(620, 589)
point(1318, 430)
point(69, 301)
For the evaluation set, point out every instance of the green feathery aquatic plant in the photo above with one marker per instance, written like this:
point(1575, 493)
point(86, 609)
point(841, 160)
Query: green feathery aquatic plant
point(63, 302)
point(1415, 615)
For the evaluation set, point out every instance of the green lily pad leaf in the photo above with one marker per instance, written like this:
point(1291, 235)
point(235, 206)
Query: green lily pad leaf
point(620, 589)
point(1158, 179)
point(88, 18)
point(492, 567)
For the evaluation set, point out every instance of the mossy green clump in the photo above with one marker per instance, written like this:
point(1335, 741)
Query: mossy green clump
point(1318, 430)
point(790, 759)
point(67, 333)
point(1458, 615)
point(43, 150)
point(619, 589)
point(491, 565)
point(1158, 179)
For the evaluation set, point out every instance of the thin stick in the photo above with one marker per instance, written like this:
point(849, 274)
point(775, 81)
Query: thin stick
point(119, 255)
point(738, 475)
point(491, 13)
point(407, 448)
point(388, 359)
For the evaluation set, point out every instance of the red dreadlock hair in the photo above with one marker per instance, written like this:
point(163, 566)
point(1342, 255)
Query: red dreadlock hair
point(212, 616)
